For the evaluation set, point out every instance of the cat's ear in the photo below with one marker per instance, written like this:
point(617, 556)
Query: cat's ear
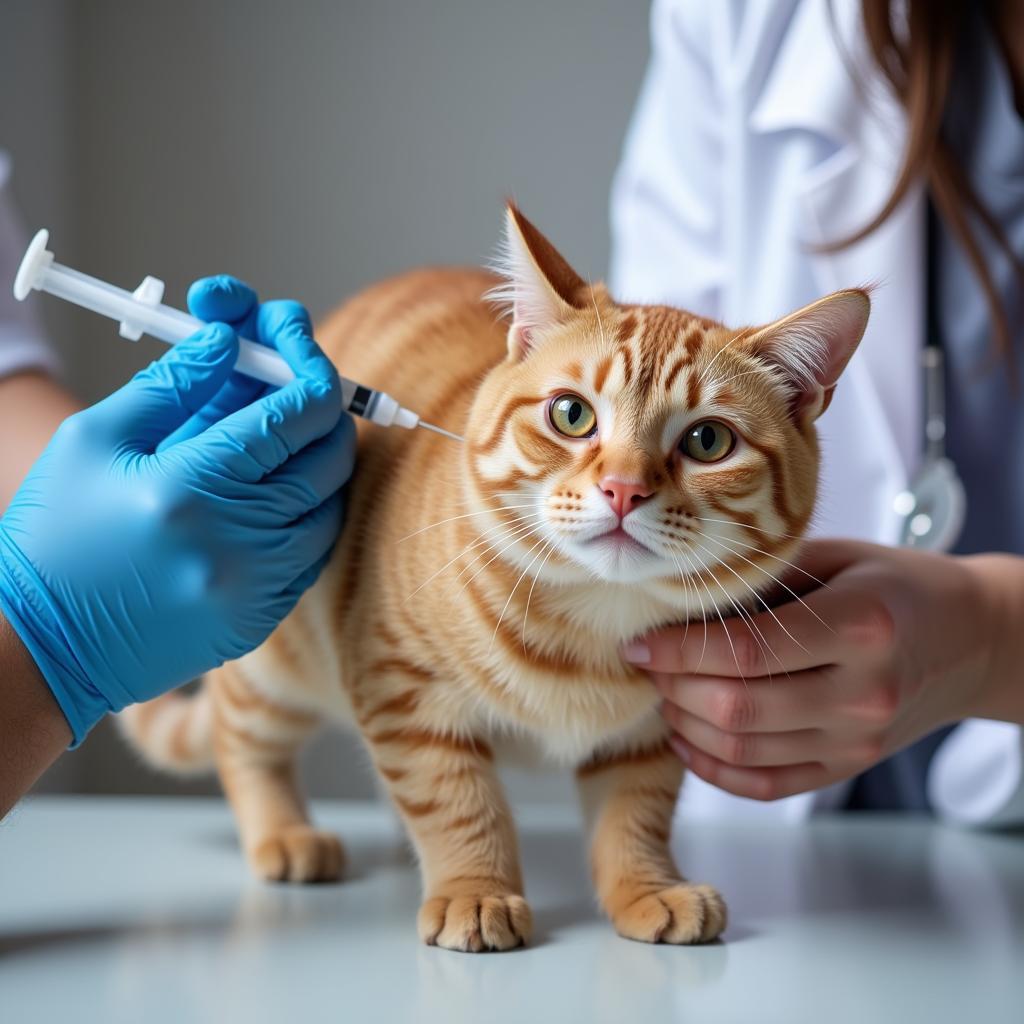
point(540, 287)
point(812, 346)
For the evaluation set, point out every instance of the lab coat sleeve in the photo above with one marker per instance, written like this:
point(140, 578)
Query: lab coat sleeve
point(23, 344)
point(977, 776)
point(666, 198)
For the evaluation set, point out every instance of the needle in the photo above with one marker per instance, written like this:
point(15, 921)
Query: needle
point(439, 430)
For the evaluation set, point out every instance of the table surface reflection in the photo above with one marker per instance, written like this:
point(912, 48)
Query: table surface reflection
point(116, 909)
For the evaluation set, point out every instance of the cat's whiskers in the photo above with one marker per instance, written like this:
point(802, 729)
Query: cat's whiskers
point(524, 524)
point(529, 596)
point(593, 298)
point(703, 611)
point(718, 611)
point(513, 538)
point(745, 526)
point(718, 355)
point(573, 530)
point(767, 607)
point(774, 578)
point(744, 614)
point(566, 525)
point(467, 515)
point(752, 623)
point(497, 554)
point(494, 635)
point(677, 543)
point(486, 541)
point(689, 589)
point(719, 381)
point(519, 526)
point(461, 503)
point(768, 554)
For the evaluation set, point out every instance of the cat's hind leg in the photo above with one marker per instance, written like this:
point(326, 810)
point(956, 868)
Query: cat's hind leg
point(628, 799)
point(256, 740)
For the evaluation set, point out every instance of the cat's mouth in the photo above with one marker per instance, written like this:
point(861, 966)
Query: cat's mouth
point(621, 541)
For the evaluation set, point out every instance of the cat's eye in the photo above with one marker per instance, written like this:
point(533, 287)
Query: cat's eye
point(572, 416)
point(708, 441)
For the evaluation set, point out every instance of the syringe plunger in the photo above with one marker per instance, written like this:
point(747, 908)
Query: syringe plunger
point(142, 312)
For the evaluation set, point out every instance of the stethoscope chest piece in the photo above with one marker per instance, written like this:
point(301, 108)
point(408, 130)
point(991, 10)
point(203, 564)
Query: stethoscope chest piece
point(933, 508)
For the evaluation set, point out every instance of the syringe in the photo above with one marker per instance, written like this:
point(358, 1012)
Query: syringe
point(141, 312)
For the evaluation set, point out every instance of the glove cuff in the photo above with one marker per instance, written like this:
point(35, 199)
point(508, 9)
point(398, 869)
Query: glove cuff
point(25, 603)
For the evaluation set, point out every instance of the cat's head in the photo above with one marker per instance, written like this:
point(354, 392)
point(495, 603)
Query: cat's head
point(643, 444)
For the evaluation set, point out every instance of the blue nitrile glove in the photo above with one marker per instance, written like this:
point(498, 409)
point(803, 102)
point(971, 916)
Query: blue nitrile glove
point(229, 301)
point(129, 565)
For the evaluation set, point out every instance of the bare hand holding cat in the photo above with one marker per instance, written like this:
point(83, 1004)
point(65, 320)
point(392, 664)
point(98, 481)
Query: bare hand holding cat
point(892, 645)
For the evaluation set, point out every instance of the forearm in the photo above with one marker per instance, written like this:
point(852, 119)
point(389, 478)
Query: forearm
point(1000, 695)
point(32, 406)
point(33, 731)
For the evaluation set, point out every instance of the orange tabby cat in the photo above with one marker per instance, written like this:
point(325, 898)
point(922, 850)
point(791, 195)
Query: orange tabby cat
point(624, 467)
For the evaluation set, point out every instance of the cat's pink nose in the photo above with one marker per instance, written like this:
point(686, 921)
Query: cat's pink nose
point(624, 495)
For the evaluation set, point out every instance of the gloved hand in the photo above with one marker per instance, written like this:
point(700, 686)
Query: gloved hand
point(170, 527)
point(227, 300)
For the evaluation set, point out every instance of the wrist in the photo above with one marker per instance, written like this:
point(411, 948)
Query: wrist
point(998, 692)
point(32, 406)
point(33, 620)
point(33, 730)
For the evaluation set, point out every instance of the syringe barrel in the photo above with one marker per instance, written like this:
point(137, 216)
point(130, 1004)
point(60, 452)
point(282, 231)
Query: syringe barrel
point(40, 271)
point(159, 321)
point(263, 363)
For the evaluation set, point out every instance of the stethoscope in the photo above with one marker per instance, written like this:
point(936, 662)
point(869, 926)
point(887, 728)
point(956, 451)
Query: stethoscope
point(933, 508)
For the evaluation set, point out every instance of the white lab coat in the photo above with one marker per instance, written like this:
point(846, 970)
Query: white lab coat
point(751, 145)
point(22, 346)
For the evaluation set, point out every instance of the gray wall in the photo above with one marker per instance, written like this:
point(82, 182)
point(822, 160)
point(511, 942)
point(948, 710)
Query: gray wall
point(310, 147)
point(36, 90)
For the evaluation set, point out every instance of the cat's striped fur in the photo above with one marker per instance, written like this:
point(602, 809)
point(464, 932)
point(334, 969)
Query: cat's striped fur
point(471, 607)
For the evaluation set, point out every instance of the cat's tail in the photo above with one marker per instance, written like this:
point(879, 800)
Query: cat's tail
point(173, 732)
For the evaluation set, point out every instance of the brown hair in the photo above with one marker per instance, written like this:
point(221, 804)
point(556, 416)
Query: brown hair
point(918, 58)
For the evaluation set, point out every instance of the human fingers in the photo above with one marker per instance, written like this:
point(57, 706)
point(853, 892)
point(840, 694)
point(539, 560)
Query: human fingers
point(821, 558)
point(314, 474)
point(286, 325)
point(254, 441)
point(766, 749)
point(309, 538)
point(165, 394)
point(830, 625)
point(290, 595)
point(753, 783)
point(807, 700)
point(228, 300)
point(789, 638)
point(237, 392)
point(224, 298)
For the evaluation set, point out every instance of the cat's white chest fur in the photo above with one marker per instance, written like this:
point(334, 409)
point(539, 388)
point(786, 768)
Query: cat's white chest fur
point(562, 701)
point(611, 614)
point(570, 747)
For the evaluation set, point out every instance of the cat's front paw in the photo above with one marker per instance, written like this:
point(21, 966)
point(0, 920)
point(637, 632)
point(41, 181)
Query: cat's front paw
point(475, 923)
point(299, 853)
point(680, 914)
